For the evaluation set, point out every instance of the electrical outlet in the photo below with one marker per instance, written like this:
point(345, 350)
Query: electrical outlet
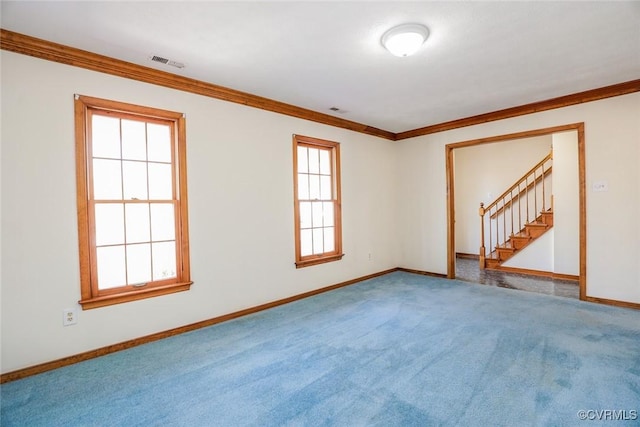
point(69, 316)
point(370, 257)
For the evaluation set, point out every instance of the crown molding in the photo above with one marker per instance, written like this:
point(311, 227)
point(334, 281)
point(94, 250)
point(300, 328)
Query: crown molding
point(535, 107)
point(43, 49)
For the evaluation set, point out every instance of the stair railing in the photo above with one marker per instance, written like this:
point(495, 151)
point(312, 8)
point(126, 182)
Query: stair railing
point(519, 202)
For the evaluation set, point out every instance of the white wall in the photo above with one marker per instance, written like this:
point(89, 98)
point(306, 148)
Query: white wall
point(240, 211)
point(612, 135)
point(484, 172)
point(538, 255)
point(566, 204)
point(240, 164)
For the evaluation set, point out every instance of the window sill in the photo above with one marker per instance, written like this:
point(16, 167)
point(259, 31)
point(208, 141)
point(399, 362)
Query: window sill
point(319, 260)
point(138, 294)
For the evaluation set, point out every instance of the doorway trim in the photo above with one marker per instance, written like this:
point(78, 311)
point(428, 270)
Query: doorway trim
point(451, 238)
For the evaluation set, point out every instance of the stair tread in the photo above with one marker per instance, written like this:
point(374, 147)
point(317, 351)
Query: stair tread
point(505, 246)
point(518, 241)
point(536, 224)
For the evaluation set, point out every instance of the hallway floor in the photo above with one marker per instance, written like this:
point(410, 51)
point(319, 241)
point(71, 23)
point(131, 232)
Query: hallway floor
point(468, 270)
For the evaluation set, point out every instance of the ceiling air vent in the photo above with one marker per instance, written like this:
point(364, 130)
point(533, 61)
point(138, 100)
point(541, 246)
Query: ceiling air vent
point(159, 59)
point(166, 61)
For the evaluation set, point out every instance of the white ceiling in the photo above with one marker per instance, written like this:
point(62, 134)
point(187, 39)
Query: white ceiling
point(480, 56)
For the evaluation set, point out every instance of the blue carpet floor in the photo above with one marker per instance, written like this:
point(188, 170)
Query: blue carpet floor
point(397, 350)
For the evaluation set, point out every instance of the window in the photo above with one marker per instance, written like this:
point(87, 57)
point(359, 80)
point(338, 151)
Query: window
point(132, 202)
point(317, 213)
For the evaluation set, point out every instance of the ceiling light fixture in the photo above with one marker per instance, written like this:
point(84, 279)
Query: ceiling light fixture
point(405, 40)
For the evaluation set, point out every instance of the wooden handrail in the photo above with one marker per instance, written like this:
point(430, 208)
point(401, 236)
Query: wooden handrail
point(517, 196)
point(519, 181)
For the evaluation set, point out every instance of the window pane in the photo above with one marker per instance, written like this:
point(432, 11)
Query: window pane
point(314, 187)
point(317, 214)
point(329, 239)
point(305, 215)
point(105, 137)
point(117, 145)
point(135, 180)
point(325, 187)
point(306, 242)
point(107, 180)
point(137, 220)
point(303, 160)
point(325, 162)
point(164, 260)
point(314, 160)
point(317, 241)
point(111, 271)
point(303, 186)
point(109, 219)
point(159, 142)
point(160, 182)
point(327, 208)
point(138, 263)
point(163, 226)
point(134, 144)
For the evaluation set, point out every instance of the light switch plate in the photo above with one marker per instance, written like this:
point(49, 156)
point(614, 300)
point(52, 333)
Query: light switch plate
point(600, 186)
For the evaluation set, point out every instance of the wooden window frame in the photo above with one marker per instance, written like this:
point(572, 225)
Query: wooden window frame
point(334, 150)
point(91, 296)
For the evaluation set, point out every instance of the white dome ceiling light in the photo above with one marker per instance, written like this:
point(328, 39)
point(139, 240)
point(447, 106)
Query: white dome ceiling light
point(405, 40)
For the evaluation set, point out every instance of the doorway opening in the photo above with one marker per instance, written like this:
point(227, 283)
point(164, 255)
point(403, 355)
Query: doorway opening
point(579, 216)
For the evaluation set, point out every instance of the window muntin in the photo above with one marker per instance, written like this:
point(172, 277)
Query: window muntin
point(317, 201)
point(132, 202)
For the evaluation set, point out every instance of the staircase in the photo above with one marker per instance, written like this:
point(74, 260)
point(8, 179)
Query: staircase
point(520, 240)
point(522, 214)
